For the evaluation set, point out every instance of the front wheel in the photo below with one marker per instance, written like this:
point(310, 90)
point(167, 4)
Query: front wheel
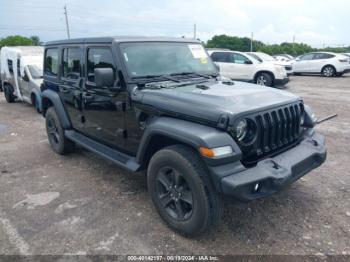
point(55, 133)
point(8, 92)
point(264, 79)
point(328, 71)
point(181, 191)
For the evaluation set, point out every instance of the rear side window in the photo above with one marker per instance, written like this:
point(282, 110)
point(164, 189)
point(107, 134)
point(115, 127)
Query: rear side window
point(51, 61)
point(71, 63)
point(222, 57)
point(98, 57)
point(18, 67)
point(10, 66)
point(323, 56)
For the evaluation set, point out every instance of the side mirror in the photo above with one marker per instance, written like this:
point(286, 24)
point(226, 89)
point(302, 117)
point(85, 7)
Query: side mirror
point(248, 62)
point(25, 77)
point(104, 77)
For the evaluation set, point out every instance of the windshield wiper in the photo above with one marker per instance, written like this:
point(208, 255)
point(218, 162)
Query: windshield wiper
point(190, 73)
point(167, 77)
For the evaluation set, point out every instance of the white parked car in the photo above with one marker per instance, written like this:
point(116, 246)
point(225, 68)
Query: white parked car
point(240, 66)
point(262, 57)
point(325, 63)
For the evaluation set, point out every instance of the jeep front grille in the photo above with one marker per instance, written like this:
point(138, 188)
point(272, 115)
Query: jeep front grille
point(276, 130)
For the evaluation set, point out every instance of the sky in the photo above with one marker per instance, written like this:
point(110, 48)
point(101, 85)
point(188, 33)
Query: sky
point(317, 23)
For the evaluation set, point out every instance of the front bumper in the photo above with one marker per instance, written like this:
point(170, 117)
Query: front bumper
point(281, 82)
point(272, 174)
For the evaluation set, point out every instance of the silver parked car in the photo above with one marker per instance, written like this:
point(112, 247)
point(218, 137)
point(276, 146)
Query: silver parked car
point(21, 74)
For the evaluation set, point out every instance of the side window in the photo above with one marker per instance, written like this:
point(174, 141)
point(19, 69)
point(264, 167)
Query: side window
point(239, 59)
point(307, 57)
point(98, 57)
point(51, 61)
point(71, 63)
point(18, 67)
point(10, 66)
point(221, 57)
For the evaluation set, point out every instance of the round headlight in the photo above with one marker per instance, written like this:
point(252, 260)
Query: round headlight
point(245, 131)
point(241, 129)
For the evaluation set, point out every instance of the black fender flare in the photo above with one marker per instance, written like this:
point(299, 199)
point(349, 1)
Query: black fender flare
point(192, 134)
point(51, 98)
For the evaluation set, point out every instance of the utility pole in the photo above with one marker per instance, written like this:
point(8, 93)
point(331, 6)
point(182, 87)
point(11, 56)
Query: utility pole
point(251, 43)
point(194, 31)
point(67, 24)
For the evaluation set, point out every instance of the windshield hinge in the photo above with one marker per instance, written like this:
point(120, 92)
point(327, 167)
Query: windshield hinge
point(223, 122)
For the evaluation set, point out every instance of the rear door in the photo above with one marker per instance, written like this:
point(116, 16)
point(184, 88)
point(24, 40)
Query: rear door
point(104, 108)
point(70, 87)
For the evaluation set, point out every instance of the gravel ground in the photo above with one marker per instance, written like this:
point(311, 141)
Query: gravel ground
point(81, 204)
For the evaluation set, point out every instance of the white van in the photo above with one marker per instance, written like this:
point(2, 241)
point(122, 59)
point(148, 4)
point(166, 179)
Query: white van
point(22, 73)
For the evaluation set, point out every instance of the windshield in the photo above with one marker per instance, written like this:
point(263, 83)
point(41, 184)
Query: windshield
point(266, 57)
point(165, 58)
point(255, 57)
point(35, 71)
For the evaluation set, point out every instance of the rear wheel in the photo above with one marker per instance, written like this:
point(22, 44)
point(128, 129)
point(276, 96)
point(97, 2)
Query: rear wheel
point(181, 191)
point(264, 79)
point(59, 143)
point(328, 71)
point(8, 92)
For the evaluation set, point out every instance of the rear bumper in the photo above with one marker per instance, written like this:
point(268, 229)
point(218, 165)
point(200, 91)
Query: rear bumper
point(281, 82)
point(272, 174)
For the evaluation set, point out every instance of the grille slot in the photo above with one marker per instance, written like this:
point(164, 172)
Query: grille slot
point(277, 129)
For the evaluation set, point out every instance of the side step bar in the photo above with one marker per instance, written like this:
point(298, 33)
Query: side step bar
point(106, 152)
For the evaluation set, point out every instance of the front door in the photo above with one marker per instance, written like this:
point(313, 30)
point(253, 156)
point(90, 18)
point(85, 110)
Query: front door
point(243, 68)
point(303, 64)
point(104, 108)
point(71, 85)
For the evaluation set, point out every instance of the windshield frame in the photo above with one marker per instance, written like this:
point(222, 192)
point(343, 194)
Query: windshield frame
point(130, 79)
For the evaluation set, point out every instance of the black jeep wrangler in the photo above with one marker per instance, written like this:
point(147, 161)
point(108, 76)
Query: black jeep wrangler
point(158, 104)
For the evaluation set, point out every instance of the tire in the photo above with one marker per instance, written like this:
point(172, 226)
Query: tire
point(8, 92)
point(182, 192)
point(55, 133)
point(264, 79)
point(328, 71)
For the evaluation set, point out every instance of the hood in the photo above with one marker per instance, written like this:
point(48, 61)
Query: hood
point(281, 63)
point(36, 82)
point(217, 100)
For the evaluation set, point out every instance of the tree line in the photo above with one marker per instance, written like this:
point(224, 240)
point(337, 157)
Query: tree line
point(17, 40)
point(243, 44)
point(219, 41)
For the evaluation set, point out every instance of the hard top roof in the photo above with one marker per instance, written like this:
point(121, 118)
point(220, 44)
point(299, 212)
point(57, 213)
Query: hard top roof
point(120, 39)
